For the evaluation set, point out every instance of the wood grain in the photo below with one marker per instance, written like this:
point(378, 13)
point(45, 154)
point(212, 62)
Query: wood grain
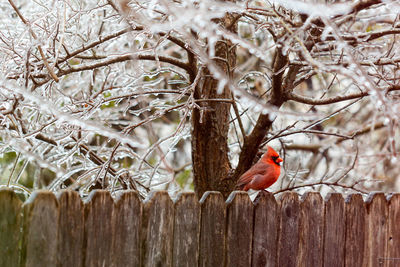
point(126, 221)
point(98, 229)
point(157, 229)
point(288, 244)
point(239, 229)
point(265, 233)
point(377, 229)
point(356, 231)
point(186, 230)
point(10, 223)
point(40, 230)
point(71, 229)
point(334, 231)
point(212, 229)
point(393, 250)
point(311, 230)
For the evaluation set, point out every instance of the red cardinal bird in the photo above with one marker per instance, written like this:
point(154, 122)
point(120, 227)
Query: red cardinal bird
point(263, 174)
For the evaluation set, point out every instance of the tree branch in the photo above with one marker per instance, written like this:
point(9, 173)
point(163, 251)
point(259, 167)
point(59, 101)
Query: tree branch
point(316, 147)
point(311, 101)
point(123, 58)
point(97, 42)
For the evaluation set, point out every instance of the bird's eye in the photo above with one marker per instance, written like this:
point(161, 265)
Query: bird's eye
point(274, 159)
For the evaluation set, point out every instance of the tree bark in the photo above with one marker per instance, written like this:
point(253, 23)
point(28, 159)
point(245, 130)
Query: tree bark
point(210, 122)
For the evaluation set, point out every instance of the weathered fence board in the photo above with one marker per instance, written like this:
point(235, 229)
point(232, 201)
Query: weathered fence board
point(157, 230)
point(98, 229)
point(64, 231)
point(288, 244)
point(334, 230)
point(311, 229)
point(70, 229)
point(355, 231)
point(377, 229)
point(186, 231)
point(126, 222)
point(266, 230)
point(212, 231)
point(239, 229)
point(393, 249)
point(40, 230)
point(10, 223)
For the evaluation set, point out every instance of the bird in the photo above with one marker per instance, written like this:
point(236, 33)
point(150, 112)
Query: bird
point(262, 174)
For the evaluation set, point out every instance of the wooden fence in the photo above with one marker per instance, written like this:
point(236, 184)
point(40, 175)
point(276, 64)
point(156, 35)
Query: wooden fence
point(49, 230)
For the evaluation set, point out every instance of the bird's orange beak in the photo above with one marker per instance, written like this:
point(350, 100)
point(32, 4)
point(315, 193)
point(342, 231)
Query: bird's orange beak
point(279, 160)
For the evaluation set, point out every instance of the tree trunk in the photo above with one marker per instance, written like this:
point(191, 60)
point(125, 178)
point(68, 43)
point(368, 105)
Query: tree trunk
point(210, 122)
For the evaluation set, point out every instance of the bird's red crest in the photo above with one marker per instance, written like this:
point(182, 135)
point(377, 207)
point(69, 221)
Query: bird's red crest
point(271, 152)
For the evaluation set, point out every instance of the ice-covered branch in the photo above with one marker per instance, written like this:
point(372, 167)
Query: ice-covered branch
point(312, 101)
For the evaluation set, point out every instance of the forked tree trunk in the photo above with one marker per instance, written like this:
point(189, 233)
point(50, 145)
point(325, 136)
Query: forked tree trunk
point(210, 122)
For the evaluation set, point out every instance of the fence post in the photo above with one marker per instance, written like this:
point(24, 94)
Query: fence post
point(212, 229)
point(377, 229)
point(71, 229)
point(10, 223)
point(311, 230)
point(355, 231)
point(157, 229)
point(98, 229)
point(40, 229)
point(288, 244)
point(186, 230)
point(266, 227)
point(239, 229)
point(334, 230)
point(126, 222)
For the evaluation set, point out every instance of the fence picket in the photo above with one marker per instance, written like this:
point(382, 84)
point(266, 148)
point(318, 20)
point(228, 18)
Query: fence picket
point(157, 229)
point(288, 244)
point(393, 252)
point(126, 222)
point(71, 229)
point(377, 229)
point(10, 223)
point(311, 230)
point(335, 230)
point(212, 229)
point(356, 228)
point(266, 227)
point(186, 230)
point(98, 229)
point(239, 229)
point(40, 228)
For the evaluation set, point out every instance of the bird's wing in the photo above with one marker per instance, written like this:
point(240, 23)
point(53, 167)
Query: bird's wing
point(258, 169)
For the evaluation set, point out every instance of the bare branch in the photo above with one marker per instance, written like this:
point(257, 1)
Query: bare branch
point(46, 63)
point(123, 58)
point(310, 101)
